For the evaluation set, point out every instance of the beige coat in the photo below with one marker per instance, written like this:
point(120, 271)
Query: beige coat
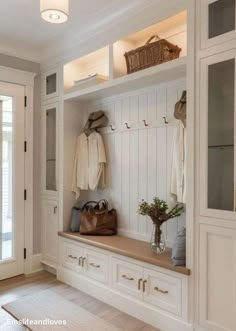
point(89, 164)
point(178, 171)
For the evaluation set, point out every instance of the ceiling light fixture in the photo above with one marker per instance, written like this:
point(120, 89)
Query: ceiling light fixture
point(54, 11)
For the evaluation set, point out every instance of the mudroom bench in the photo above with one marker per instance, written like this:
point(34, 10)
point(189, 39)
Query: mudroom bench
point(125, 273)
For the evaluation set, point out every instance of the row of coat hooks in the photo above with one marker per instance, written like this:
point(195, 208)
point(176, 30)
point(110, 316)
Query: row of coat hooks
point(113, 128)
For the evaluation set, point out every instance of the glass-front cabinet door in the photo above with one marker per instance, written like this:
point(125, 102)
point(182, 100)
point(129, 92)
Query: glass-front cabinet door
point(217, 21)
point(217, 136)
point(50, 148)
point(50, 83)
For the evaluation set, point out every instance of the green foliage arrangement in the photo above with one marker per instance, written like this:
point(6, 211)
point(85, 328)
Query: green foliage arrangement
point(159, 210)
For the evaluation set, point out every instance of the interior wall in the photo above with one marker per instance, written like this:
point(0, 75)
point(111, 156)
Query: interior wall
point(139, 160)
point(21, 64)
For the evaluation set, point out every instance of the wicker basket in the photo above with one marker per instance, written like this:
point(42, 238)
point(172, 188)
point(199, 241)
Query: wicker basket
point(151, 54)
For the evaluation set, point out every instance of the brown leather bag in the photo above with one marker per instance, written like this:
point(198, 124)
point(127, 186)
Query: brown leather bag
point(98, 220)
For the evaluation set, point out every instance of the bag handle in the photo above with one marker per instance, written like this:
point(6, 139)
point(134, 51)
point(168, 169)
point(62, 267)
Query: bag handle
point(151, 38)
point(87, 204)
point(104, 202)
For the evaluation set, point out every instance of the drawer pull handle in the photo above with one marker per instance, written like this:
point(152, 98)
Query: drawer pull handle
point(144, 285)
point(80, 260)
point(95, 265)
point(83, 259)
point(139, 283)
point(161, 291)
point(72, 257)
point(127, 278)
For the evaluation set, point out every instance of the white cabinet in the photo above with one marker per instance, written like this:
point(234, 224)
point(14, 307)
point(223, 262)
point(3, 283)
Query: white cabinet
point(153, 287)
point(49, 231)
point(127, 277)
point(72, 255)
point(217, 136)
point(217, 22)
point(162, 290)
point(50, 84)
point(85, 261)
point(155, 295)
point(217, 288)
point(50, 149)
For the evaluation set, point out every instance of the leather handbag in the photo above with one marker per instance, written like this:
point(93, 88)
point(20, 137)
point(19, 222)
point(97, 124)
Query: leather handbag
point(99, 220)
point(75, 217)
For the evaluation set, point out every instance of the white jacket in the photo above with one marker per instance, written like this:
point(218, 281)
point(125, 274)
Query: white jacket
point(178, 171)
point(89, 164)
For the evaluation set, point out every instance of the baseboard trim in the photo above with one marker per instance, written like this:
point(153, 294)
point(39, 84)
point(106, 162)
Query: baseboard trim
point(133, 307)
point(36, 264)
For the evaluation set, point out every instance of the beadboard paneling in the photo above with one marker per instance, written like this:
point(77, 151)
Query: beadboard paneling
point(139, 160)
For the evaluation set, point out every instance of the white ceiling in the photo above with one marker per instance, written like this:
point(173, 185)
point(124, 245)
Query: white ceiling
point(22, 31)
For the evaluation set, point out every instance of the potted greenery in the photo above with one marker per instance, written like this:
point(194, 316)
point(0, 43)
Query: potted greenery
point(159, 212)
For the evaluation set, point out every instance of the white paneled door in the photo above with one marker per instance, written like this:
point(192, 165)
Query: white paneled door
point(11, 180)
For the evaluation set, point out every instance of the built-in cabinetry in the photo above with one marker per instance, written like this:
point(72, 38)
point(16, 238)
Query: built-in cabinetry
point(138, 141)
point(155, 294)
point(50, 165)
point(216, 178)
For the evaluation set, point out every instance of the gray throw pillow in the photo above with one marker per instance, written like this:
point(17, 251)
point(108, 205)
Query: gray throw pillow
point(179, 249)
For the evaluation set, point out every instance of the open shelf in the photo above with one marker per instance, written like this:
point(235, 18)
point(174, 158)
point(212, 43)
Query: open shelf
point(95, 64)
point(173, 29)
point(155, 75)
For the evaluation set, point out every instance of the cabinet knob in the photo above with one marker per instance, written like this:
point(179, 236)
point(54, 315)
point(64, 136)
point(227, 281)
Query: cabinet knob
point(127, 278)
point(55, 209)
point(159, 290)
point(144, 285)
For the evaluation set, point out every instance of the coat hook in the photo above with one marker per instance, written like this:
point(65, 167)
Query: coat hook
point(112, 128)
point(127, 125)
point(145, 122)
point(165, 120)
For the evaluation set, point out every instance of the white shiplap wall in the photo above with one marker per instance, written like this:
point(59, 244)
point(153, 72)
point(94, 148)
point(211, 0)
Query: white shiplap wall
point(139, 160)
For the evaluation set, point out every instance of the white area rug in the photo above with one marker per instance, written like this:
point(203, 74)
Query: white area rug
point(49, 307)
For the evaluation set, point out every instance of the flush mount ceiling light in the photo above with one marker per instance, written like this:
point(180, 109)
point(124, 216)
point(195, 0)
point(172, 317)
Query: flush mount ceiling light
point(54, 11)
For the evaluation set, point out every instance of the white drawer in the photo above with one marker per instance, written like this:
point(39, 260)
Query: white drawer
point(96, 265)
point(71, 256)
point(126, 277)
point(163, 291)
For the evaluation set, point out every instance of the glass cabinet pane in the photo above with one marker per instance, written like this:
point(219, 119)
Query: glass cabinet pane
point(51, 84)
point(51, 149)
point(221, 17)
point(221, 83)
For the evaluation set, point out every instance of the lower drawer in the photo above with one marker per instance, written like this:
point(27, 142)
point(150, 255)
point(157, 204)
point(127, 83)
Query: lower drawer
point(126, 277)
point(71, 255)
point(96, 265)
point(163, 291)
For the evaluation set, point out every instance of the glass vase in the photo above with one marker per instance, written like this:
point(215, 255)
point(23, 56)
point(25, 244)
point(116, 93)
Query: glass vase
point(158, 244)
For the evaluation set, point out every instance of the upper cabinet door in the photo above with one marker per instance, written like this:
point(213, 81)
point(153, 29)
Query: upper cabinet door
point(217, 22)
point(50, 83)
point(217, 136)
point(50, 148)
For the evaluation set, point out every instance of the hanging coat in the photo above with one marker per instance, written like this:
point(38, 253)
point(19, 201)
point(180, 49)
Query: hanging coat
point(89, 164)
point(178, 170)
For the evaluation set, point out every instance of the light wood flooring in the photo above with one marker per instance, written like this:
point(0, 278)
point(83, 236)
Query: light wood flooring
point(14, 288)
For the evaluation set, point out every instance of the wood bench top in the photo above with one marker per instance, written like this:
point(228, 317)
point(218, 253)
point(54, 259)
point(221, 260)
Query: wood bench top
point(135, 249)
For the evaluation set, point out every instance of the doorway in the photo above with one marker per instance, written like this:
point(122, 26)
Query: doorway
point(11, 180)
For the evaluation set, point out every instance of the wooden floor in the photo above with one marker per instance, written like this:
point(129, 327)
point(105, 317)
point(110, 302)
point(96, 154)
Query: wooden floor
point(17, 287)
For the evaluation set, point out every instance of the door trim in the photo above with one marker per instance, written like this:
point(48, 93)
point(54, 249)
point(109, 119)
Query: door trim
point(20, 77)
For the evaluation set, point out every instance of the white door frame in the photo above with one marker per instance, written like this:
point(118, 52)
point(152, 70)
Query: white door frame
point(19, 77)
